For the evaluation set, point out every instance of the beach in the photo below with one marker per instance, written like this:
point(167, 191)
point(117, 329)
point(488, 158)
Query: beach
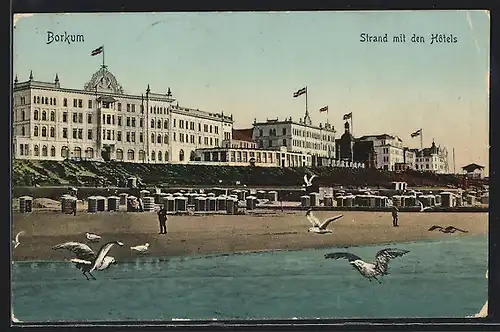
point(216, 234)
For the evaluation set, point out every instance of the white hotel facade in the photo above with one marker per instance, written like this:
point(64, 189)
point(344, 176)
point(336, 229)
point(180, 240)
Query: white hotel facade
point(101, 122)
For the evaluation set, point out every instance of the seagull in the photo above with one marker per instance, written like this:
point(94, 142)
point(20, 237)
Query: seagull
point(308, 182)
point(370, 270)
point(142, 249)
point(16, 242)
point(320, 227)
point(106, 262)
point(422, 208)
point(449, 229)
point(86, 260)
point(92, 237)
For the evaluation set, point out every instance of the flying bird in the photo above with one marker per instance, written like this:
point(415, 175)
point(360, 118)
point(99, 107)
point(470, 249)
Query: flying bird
point(422, 208)
point(16, 242)
point(86, 260)
point(370, 270)
point(449, 229)
point(308, 182)
point(320, 227)
point(141, 249)
point(107, 262)
point(92, 237)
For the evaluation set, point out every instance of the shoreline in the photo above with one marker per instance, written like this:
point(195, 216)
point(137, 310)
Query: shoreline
point(190, 236)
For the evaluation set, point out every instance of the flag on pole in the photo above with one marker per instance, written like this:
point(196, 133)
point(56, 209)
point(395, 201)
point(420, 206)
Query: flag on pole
point(97, 51)
point(299, 92)
point(417, 133)
point(347, 116)
point(324, 109)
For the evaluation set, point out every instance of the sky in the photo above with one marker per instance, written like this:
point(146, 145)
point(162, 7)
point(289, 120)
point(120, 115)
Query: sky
point(250, 64)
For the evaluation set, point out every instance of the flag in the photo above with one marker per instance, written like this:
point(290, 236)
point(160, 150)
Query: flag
point(299, 92)
point(417, 133)
point(347, 116)
point(324, 109)
point(97, 51)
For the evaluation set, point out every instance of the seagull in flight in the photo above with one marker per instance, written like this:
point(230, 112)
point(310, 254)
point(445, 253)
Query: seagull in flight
point(320, 227)
point(449, 229)
point(141, 249)
point(308, 182)
point(370, 270)
point(86, 260)
point(16, 242)
point(92, 237)
point(422, 208)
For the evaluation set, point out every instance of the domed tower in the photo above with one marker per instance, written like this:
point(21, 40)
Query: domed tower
point(346, 143)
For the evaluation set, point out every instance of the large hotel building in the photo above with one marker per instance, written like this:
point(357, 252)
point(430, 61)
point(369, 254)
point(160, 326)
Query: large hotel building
point(101, 122)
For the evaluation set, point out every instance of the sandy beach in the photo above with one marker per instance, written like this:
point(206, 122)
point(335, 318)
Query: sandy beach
point(213, 234)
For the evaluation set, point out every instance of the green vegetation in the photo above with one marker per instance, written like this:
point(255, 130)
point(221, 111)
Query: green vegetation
point(89, 173)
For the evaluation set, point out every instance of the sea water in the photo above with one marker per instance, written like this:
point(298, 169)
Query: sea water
point(443, 278)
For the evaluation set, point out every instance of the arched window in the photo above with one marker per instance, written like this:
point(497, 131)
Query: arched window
point(44, 116)
point(159, 138)
point(130, 154)
point(153, 156)
point(52, 116)
point(152, 123)
point(119, 154)
point(159, 156)
point(64, 152)
point(23, 115)
point(46, 100)
point(181, 155)
point(152, 138)
point(44, 131)
point(45, 151)
point(77, 152)
point(158, 124)
point(166, 155)
point(35, 115)
point(89, 153)
point(165, 139)
point(37, 150)
point(53, 151)
point(165, 124)
point(38, 99)
point(142, 155)
point(52, 132)
point(23, 131)
point(35, 131)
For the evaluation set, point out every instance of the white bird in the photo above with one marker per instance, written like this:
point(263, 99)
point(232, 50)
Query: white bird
point(16, 242)
point(92, 237)
point(320, 227)
point(370, 270)
point(107, 262)
point(422, 208)
point(308, 182)
point(86, 260)
point(141, 248)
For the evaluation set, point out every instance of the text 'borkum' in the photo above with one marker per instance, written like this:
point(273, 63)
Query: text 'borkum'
point(64, 38)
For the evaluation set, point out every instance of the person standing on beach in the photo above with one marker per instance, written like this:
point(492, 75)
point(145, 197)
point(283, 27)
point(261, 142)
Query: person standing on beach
point(74, 207)
point(162, 218)
point(395, 217)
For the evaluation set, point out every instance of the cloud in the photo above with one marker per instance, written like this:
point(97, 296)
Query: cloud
point(19, 16)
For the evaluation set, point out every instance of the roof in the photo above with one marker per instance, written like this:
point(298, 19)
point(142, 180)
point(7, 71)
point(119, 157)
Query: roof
point(472, 167)
point(382, 136)
point(108, 99)
point(243, 135)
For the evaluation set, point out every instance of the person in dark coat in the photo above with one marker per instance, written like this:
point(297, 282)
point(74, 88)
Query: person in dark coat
point(162, 218)
point(74, 207)
point(395, 217)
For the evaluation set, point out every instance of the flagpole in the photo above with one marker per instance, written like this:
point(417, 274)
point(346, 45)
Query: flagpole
point(352, 143)
point(306, 101)
point(103, 66)
point(421, 139)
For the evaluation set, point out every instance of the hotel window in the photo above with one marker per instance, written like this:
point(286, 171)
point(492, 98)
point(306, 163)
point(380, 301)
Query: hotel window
point(46, 101)
point(133, 122)
point(119, 106)
point(23, 131)
point(216, 129)
point(38, 100)
point(199, 126)
point(44, 131)
point(284, 142)
point(192, 139)
point(89, 118)
point(52, 132)
point(80, 103)
point(181, 137)
point(35, 115)
point(75, 117)
point(108, 135)
point(205, 140)
point(90, 104)
point(141, 123)
point(128, 121)
point(75, 103)
point(152, 123)
point(75, 133)
point(165, 139)
point(65, 117)
point(284, 131)
point(80, 117)
point(181, 124)
point(65, 133)
point(44, 116)
point(108, 119)
point(65, 102)
point(152, 138)
point(199, 139)
point(158, 139)
point(89, 134)
point(128, 137)
point(119, 120)
point(133, 107)
point(165, 124)
point(205, 128)
point(175, 137)
point(35, 131)
point(119, 136)
point(52, 116)
point(158, 124)
point(141, 137)
point(80, 133)
point(174, 123)
point(133, 137)
point(210, 128)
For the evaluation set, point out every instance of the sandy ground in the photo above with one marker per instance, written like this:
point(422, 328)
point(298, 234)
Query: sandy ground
point(211, 234)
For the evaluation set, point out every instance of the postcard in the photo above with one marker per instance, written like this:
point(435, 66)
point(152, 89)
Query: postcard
point(207, 166)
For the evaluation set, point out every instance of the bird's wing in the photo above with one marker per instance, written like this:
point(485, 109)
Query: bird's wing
point(312, 177)
point(383, 257)
point(81, 250)
point(80, 261)
point(314, 221)
point(435, 227)
point(19, 234)
point(451, 228)
point(344, 255)
point(327, 222)
point(305, 179)
point(102, 253)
